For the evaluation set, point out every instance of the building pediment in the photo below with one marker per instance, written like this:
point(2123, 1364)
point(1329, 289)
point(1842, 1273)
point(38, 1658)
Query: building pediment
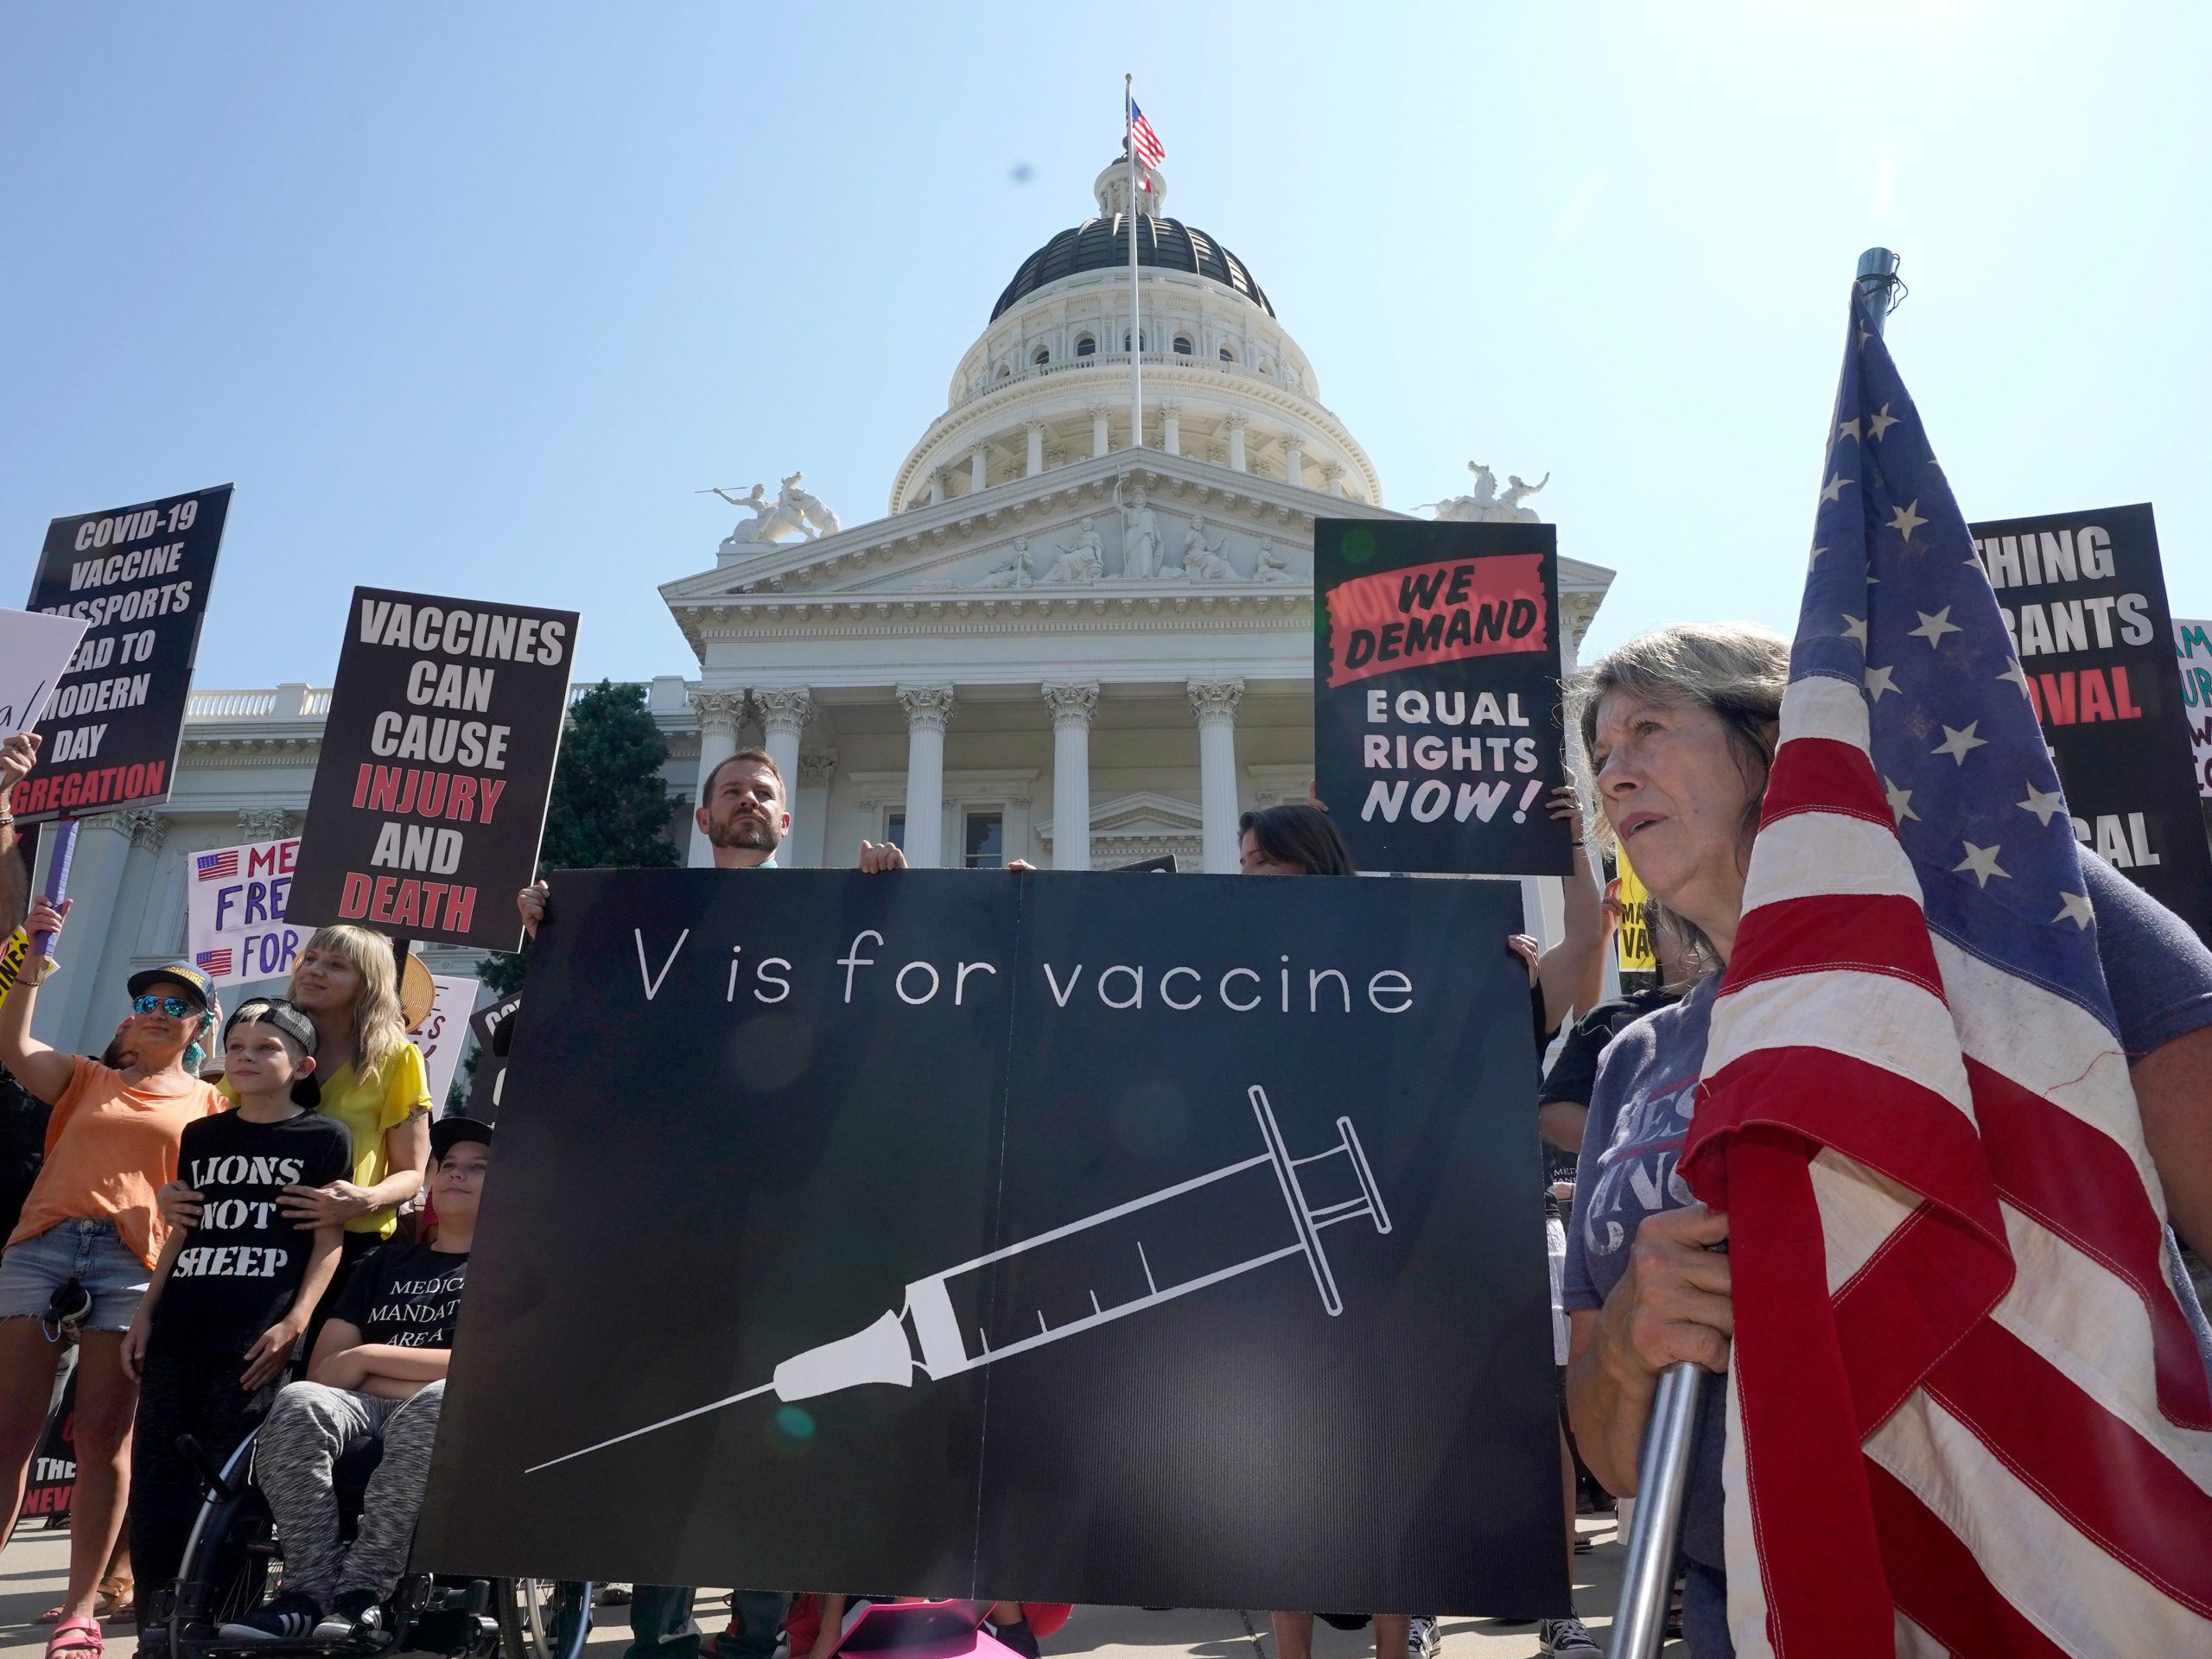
point(1139, 825)
point(1064, 543)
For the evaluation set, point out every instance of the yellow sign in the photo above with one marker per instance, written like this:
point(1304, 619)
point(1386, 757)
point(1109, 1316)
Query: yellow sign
point(13, 950)
point(1634, 940)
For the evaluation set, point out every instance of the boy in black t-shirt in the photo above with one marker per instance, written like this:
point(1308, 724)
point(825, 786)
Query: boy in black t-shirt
point(380, 1368)
point(231, 1296)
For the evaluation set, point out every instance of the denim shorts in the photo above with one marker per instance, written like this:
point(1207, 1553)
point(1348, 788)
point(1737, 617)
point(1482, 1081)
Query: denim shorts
point(90, 1251)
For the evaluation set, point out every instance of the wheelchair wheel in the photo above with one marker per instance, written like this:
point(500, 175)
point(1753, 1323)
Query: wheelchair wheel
point(542, 1618)
point(230, 1561)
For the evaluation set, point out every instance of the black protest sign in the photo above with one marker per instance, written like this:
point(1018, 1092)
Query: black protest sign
point(140, 576)
point(2084, 598)
point(1436, 665)
point(1045, 1238)
point(488, 1087)
point(437, 767)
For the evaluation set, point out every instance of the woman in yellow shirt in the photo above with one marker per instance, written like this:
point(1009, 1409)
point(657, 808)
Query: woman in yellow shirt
point(347, 982)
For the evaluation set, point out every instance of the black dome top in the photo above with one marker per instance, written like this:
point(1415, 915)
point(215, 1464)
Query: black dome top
point(1103, 245)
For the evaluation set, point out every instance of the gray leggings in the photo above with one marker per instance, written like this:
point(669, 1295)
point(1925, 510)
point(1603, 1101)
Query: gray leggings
point(308, 1428)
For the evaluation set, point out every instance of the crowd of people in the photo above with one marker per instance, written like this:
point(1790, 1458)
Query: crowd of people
point(285, 1251)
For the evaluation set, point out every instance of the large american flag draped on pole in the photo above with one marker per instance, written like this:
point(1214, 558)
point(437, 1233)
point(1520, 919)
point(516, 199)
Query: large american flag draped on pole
point(1143, 140)
point(1966, 1410)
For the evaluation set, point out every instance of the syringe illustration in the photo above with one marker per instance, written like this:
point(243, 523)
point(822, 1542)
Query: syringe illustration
point(1092, 1272)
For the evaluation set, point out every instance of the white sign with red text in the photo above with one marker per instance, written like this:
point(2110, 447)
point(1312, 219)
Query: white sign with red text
point(234, 909)
point(444, 1031)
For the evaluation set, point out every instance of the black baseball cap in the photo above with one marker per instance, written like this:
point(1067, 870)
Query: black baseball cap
point(287, 1018)
point(180, 973)
point(450, 1132)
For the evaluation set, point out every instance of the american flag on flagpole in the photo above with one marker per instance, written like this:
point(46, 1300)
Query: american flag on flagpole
point(1966, 1411)
point(1143, 140)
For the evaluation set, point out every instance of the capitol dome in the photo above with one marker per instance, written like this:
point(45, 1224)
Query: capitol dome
point(1103, 245)
point(1047, 383)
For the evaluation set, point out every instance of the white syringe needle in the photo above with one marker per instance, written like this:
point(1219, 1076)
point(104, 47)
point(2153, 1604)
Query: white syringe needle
point(696, 1411)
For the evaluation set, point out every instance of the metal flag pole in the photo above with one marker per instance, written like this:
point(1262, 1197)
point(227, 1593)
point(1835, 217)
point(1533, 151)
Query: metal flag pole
point(1662, 1467)
point(1136, 337)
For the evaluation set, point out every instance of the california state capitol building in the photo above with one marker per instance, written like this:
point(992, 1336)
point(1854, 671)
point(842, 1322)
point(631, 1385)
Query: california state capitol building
point(1062, 640)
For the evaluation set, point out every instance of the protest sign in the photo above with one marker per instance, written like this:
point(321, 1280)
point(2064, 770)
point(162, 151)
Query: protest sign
point(442, 1031)
point(138, 578)
point(488, 1087)
point(2084, 599)
point(34, 652)
point(52, 1483)
point(2193, 645)
point(437, 767)
point(234, 912)
point(1223, 1189)
point(1633, 941)
point(1436, 664)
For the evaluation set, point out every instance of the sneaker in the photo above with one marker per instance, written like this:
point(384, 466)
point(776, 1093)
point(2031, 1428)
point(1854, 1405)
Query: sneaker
point(356, 1616)
point(290, 1617)
point(1423, 1639)
point(1565, 1636)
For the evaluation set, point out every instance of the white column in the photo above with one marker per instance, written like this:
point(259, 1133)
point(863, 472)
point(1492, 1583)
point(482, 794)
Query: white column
point(936, 487)
point(1333, 476)
point(719, 712)
point(1072, 706)
point(817, 769)
point(1036, 431)
point(978, 470)
point(1171, 427)
point(1215, 702)
point(784, 711)
point(928, 709)
point(1293, 463)
point(1097, 431)
point(1236, 425)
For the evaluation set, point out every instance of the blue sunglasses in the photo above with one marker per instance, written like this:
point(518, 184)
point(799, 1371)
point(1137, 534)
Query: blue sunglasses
point(175, 1006)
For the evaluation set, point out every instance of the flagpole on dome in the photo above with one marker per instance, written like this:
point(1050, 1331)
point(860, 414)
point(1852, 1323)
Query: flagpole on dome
point(1664, 1466)
point(1136, 335)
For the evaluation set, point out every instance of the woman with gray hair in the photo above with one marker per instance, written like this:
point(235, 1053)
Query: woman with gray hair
point(1679, 728)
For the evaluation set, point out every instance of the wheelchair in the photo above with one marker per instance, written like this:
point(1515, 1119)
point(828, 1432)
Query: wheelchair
point(232, 1562)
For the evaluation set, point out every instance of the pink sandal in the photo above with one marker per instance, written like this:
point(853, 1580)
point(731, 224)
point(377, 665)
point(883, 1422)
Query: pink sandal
point(86, 1643)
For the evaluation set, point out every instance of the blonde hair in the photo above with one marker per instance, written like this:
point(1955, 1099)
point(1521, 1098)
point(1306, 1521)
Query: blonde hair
point(1738, 671)
point(379, 1028)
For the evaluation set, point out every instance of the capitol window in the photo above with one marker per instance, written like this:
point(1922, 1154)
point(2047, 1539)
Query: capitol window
point(1085, 345)
point(1044, 356)
point(983, 841)
point(1182, 346)
point(1228, 356)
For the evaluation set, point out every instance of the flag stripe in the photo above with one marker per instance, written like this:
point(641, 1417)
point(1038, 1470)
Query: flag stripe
point(2092, 1326)
point(2069, 1177)
point(2115, 1486)
point(1824, 852)
point(1887, 932)
point(1821, 1569)
point(1827, 775)
point(1941, 1586)
point(1883, 1018)
point(2084, 1598)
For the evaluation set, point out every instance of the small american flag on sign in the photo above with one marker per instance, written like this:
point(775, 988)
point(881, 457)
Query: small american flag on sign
point(218, 866)
point(216, 962)
point(1150, 151)
point(1966, 1411)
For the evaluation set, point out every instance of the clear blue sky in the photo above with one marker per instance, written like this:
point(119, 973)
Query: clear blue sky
point(472, 299)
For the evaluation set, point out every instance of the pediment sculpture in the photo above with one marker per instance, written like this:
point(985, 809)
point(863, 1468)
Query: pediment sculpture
point(1487, 505)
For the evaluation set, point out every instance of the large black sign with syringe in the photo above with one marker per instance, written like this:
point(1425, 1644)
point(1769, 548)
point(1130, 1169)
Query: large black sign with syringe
point(1045, 1238)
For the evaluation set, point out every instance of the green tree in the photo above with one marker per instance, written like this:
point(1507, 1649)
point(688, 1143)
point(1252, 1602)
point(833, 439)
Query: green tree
point(610, 808)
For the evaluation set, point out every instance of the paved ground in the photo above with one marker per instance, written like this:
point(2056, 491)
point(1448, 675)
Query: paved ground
point(33, 1565)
